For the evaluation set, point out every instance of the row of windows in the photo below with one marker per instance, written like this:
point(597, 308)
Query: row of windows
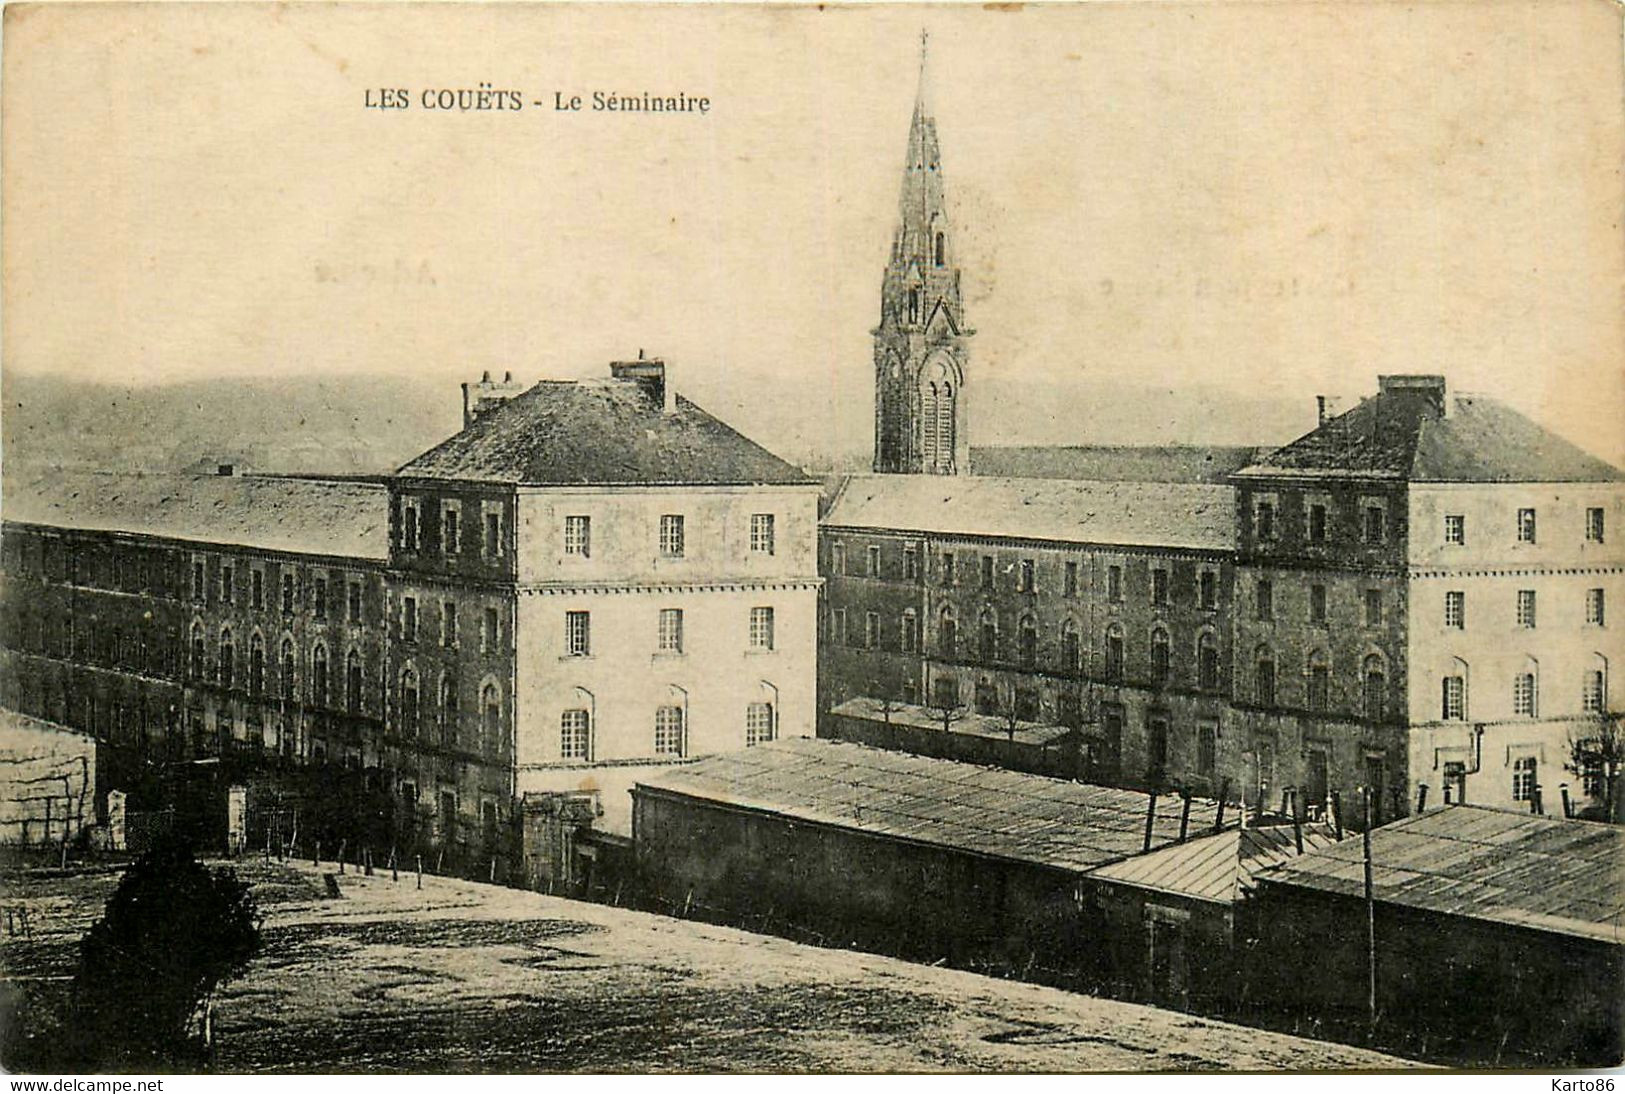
point(1317, 672)
point(226, 587)
point(1525, 692)
point(670, 730)
point(673, 537)
point(452, 540)
point(1318, 521)
point(1318, 610)
point(447, 626)
point(1455, 608)
point(1527, 528)
point(668, 631)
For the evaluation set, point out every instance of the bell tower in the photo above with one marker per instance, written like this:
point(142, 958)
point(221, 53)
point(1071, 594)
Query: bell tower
point(921, 344)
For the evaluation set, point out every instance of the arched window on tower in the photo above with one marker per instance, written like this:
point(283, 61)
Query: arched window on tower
point(352, 681)
point(941, 250)
point(914, 305)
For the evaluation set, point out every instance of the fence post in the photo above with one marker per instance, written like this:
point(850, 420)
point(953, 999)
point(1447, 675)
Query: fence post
point(420, 871)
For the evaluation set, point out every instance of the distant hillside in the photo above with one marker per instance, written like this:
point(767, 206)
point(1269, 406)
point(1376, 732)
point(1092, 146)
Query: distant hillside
point(347, 424)
point(374, 423)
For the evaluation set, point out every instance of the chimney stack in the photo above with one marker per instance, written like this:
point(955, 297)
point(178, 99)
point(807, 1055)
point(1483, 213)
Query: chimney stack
point(485, 394)
point(650, 374)
point(1430, 388)
point(1327, 407)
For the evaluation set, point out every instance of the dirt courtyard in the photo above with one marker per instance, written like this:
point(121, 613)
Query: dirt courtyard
point(464, 977)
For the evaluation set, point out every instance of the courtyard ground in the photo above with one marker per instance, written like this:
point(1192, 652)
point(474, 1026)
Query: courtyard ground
point(460, 976)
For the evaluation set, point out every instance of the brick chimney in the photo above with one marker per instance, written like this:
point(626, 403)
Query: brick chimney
point(482, 396)
point(650, 373)
point(1426, 387)
point(1327, 407)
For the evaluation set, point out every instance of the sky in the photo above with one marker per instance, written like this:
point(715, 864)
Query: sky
point(1281, 199)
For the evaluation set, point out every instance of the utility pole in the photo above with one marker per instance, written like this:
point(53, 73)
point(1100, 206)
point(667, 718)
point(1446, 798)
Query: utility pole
point(1370, 918)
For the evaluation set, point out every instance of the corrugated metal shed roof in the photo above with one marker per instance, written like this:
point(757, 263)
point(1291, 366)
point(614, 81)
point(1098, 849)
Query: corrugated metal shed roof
point(982, 810)
point(601, 431)
point(343, 517)
point(1565, 876)
point(1144, 514)
point(1221, 868)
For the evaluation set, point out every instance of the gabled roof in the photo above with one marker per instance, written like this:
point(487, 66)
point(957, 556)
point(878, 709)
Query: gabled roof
point(1401, 435)
point(607, 432)
point(1115, 462)
point(1220, 868)
point(342, 517)
point(1547, 873)
point(1178, 515)
point(977, 810)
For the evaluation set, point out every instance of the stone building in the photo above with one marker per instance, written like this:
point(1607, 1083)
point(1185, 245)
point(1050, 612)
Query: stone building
point(590, 575)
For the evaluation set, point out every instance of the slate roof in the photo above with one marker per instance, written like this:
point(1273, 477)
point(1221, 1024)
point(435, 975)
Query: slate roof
point(1400, 435)
point(1115, 462)
point(1547, 873)
point(342, 517)
point(1184, 515)
point(1221, 868)
point(607, 432)
point(980, 810)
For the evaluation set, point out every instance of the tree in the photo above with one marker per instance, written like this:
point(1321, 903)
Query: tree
point(173, 931)
point(1596, 755)
point(946, 706)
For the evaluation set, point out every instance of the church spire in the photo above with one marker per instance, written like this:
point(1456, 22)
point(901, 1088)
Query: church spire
point(920, 345)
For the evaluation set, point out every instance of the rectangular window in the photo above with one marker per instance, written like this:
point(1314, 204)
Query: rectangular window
point(409, 527)
point(670, 637)
point(256, 589)
point(1526, 607)
point(199, 586)
point(1523, 694)
point(1317, 603)
point(1594, 698)
point(493, 535)
point(578, 633)
point(908, 634)
point(911, 564)
point(1114, 584)
point(1524, 774)
point(1159, 587)
point(987, 571)
point(226, 582)
point(838, 625)
point(1070, 585)
point(578, 536)
point(1455, 529)
point(873, 562)
point(1594, 527)
point(320, 598)
point(1207, 748)
point(758, 724)
point(409, 618)
point(1264, 519)
point(947, 568)
point(1373, 607)
point(761, 533)
point(574, 735)
point(354, 601)
point(1596, 612)
point(668, 731)
point(448, 624)
point(1320, 688)
point(1454, 705)
point(671, 535)
point(1526, 526)
point(1455, 610)
point(1208, 590)
point(1264, 600)
point(871, 630)
point(1156, 747)
point(489, 632)
point(761, 628)
point(1029, 575)
point(287, 593)
point(837, 559)
point(1317, 523)
point(448, 531)
point(1376, 519)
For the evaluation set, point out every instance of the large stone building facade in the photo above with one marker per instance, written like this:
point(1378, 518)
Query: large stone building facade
point(589, 576)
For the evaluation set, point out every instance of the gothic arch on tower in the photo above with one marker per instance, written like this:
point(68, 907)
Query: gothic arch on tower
point(939, 394)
